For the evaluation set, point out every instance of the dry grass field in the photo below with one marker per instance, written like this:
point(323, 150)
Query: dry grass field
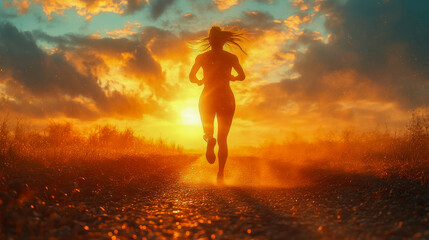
point(60, 183)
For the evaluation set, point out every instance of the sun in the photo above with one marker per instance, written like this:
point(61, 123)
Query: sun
point(190, 116)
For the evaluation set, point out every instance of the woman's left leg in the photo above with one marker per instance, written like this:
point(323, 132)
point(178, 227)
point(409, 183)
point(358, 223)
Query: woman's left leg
point(224, 118)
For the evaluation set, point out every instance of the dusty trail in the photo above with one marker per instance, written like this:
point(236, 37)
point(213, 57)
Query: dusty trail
point(345, 206)
point(214, 212)
point(198, 211)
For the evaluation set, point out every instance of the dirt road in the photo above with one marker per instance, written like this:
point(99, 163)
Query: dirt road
point(345, 206)
point(239, 212)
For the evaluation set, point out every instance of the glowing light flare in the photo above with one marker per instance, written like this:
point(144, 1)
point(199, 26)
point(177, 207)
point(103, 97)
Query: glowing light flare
point(238, 173)
point(190, 116)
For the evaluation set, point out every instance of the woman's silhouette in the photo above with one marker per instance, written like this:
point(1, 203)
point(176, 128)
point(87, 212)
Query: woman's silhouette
point(217, 98)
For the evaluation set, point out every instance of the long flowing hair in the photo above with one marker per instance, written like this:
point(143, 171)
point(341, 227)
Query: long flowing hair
point(229, 38)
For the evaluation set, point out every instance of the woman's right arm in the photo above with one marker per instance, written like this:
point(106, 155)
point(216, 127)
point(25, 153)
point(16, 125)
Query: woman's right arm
point(193, 74)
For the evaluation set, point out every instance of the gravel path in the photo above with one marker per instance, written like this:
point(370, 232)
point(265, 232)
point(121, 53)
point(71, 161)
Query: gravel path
point(306, 213)
point(345, 206)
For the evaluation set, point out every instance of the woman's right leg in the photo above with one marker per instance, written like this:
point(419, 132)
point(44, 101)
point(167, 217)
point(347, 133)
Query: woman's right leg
point(207, 114)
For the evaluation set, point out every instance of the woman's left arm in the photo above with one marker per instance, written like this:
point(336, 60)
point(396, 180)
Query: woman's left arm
point(236, 65)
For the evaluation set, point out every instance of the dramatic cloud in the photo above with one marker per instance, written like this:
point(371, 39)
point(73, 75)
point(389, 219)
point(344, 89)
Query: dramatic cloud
point(370, 56)
point(38, 72)
point(87, 8)
point(267, 57)
point(136, 57)
point(42, 84)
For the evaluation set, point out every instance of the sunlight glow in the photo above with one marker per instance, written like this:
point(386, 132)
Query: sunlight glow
point(190, 116)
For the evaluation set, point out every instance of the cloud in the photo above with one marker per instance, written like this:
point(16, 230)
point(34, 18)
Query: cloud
point(266, 1)
point(44, 84)
point(164, 44)
point(157, 8)
point(87, 8)
point(116, 105)
point(371, 37)
point(257, 23)
point(137, 57)
point(302, 4)
point(202, 6)
point(21, 6)
point(129, 29)
point(370, 57)
point(38, 72)
point(295, 22)
point(225, 4)
point(48, 108)
point(135, 5)
point(188, 17)
point(268, 58)
point(257, 20)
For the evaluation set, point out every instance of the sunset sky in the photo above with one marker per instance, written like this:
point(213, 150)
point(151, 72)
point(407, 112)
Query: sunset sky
point(312, 66)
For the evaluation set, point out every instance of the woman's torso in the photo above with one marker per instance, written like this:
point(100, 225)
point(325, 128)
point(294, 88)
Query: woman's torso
point(217, 68)
point(217, 94)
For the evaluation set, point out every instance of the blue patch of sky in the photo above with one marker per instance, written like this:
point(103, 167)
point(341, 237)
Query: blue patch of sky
point(172, 19)
point(318, 25)
point(105, 22)
point(70, 22)
point(35, 19)
point(24, 22)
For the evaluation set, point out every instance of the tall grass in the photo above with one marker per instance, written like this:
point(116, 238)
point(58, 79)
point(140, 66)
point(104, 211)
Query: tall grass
point(61, 163)
point(62, 142)
point(386, 153)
